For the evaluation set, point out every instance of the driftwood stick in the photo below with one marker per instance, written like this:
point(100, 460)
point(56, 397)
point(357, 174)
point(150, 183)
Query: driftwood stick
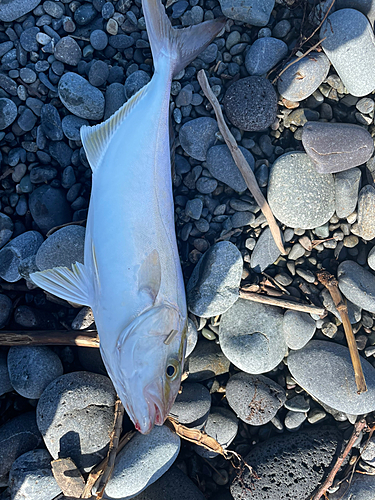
point(82, 338)
point(287, 304)
point(358, 428)
point(331, 284)
point(241, 162)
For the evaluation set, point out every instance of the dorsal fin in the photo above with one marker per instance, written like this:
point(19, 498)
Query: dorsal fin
point(95, 139)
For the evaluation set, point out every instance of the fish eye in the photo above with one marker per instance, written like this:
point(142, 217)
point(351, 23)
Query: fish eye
point(172, 369)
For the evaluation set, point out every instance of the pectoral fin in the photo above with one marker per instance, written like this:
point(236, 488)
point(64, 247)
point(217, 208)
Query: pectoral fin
point(149, 275)
point(71, 285)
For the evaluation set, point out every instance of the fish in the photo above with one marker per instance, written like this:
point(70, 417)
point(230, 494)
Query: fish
point(131, 276)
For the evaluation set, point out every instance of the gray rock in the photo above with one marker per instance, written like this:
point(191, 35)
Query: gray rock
point(135, 82)
point(17, 436)
point(68, 51)
point(368, 452)
point(325, 371)
point(192, 404)
point(221, 165)
point(31, 477)
point(365, 226)
point(8, 110)
point(206, 361)
point(32, 368)
point(197, 136)
point(49, 208)
point(14, 9)
point(66, 411)
point(299, 328)
point(298, 195)
point(84, 319)
point(350, 46)
point(6, 229)
point(360, 487)
point(293, 420)
point(6, 307)
point(214, 283)
point(346, 191)
point(222, 425)
point(367, 7)
point(194, 208)
point(255, 399)
point(251, 103)
point(51, 122)
point(354, 311)
point(18, 249)
point(336, 146)
point(303, 77)
point(98, 73)
point(297, 404)
point(142, 462)
point(251, 336)
point(265, 252)
point(254, 12)
point(241, 219)
point(264, 54)
point(114, 99)
point(5, 385)
point(371, 258)
point(63, 248)
point(192, 338)
point(71, 126)
point(80, 97)
point(357, 284)
point(99, 39)
point(289, 466)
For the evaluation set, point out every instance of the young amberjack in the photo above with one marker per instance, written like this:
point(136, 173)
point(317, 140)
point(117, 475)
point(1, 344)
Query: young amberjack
point(131, 277)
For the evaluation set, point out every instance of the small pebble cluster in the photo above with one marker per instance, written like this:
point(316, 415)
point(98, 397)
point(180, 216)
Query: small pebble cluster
point(274, 385)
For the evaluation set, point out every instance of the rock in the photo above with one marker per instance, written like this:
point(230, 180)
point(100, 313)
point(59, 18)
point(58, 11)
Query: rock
point(254, 12)
point(255, 399)
point(16, 8)
point(68, 51)
point(65, 413)
point(297, 404)
point(298, 195)
point(360, 487)
point(6, 229)
point(371, 258)
point(222, 425)
point(49, 208)
point(99, 39)
point(91, 360)
point(221, 165)
point(51, 122)
point(197, 136)
point(32, 368)
point(28, 39)
point(368, 452)
point(17, 436)
point(336, 146)
point(346, 191)
point(214, 283)
point(8, 110)
point(142, 462)
point(294, 420)
point(192, 405)
point(84, 319)
point(192, 338)
point(241, 219)
point(206, 361)
point(99, 72)
point(350, 46)
point(63, 248)
point(299, 328)
point(354, 311)
point(251, 103)
point(265, 252)
point(135, 82)
point(251, 336)
point(5, 385)
point(71, 126)
point(85, 14)
point(365, 226)
point(264, 54)
point(193, 208)
point(18, 249)
point(303, 77)
point(357, 284)
point(325, 371)
point(80, 97)
point(31, 477)
point(60, 152)
point(289, 466)
point(114, 99)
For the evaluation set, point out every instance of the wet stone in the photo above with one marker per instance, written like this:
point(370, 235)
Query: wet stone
point(197, 136)
point(222, 425)
point(221, 165)
point(365, 226)
point(71, 125)
point(192, 405)
point(49, 208)
point(81, 98)
point(265, 252)
point(346, 191)
point(8, 112)
point(264, 54)
point(357, 284)
point(206, 361)
point(68, 51)
point(254, 12)
point(18, 249)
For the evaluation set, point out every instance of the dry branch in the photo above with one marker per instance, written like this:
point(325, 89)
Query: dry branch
point(286, 304)
point(85, 338)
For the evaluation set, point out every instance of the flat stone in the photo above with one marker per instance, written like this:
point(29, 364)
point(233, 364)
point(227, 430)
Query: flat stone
point(49, 208)
point(255, 399)
point(303, 76)
point(23, 246)
point(14, 9)
point(5, 384)
point(350, 46)
point(251, 336)
point(63, 248)
point(142, 462)
point(66, 411)
point(68, 51)
point(264, 54)
point(28, 39)
point(251, 103)
point(346, 192)
point(265, 252)
point(297, 404)
point(357, 284)
point(299, 328)
point(294, 420)
point(337, 146)
point(298, 195)
point(80, 97)
point(215, 280)
point(135, 82)
point(8, 112)
point(206, 361)
point(365, 226)
point(192, 404)
point(99, 72)
point(198, 136)
point(254, 12)
point(221, 165)
point(325, 371)
point(289, 465)
point(222, 425)
point(6, 229)
point(241, 219)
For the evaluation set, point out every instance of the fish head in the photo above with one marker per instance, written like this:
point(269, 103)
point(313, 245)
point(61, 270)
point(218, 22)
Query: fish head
point(149, 362)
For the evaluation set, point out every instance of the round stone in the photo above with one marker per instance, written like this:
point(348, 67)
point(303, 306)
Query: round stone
point(251, 336)
point(221, 165)
point(28, 39)
point(365, 226)
point(63, 248)
point(98, 73)
point(80, 97)
point(299, 328)
point(346, 191)
point(357, 284)
point(254, 12)
point(264, 54)
point(265, 252)
point(8, 112)
point(192, 404)
point(222, 425)
point(23, 246)
point(114, 99)
point(135, 82)
point(251, 103)
point(255, 399)
point(206, 361)
point(298, 195)
point(49, 208)
point(71, 126)
point(197, 136)
point(68, 51)
point(6, 229)
point(99, 39)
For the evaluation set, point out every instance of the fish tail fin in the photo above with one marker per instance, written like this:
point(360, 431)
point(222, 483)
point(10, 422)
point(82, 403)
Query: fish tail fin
point(180, 46)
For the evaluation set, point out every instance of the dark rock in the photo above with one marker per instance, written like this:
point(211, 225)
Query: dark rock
point(192, 405)
point(51, 122)
point(5, 385)
point(221, 165)
point(60, 152)
point(81, 98)
point(135, 82)
point(28, 39)
point(99, 39)
point(8, 112)
point(98, 73)
point(206, 361)
point(71, 126)
point(49, 208)
point(265, 252)
point(85, 14)
point(21, 247)
point(197, 136)
point(68, 51)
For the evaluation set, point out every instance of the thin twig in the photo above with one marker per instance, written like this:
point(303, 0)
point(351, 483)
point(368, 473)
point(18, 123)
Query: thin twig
point(82, 338)
point(286, 304)
point(241, 162)
point(358, 428)
point(331, 284)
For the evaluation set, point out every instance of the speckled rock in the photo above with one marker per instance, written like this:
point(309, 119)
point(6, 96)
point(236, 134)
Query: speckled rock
point(5, 385)
point(135, 82)
point(358, 487)
point(18, 249)
point(8, 110)
point(192, 338)
point(222, 425)
point(192, 404)
point(68, 51)
point(354, 311)
point(221, 165)
point(255, 399)
point(80, 97)
point(264, 54)
point(213, 285)
point(251, 336)
point(6, 229)
point(265, 252)
point(346, 191)
point(325, 371)
point(65, 413)
point(254, 12)
point(206, 361)
point(14, 9)
point(142, 462)
point(197, 136)
point(365, 226)
point(357, 284)
point(298, 195)
point(71, 125)
point(63, 248)
point(299, 328)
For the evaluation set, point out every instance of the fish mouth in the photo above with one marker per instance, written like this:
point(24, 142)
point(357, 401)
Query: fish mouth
point(155, 417)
